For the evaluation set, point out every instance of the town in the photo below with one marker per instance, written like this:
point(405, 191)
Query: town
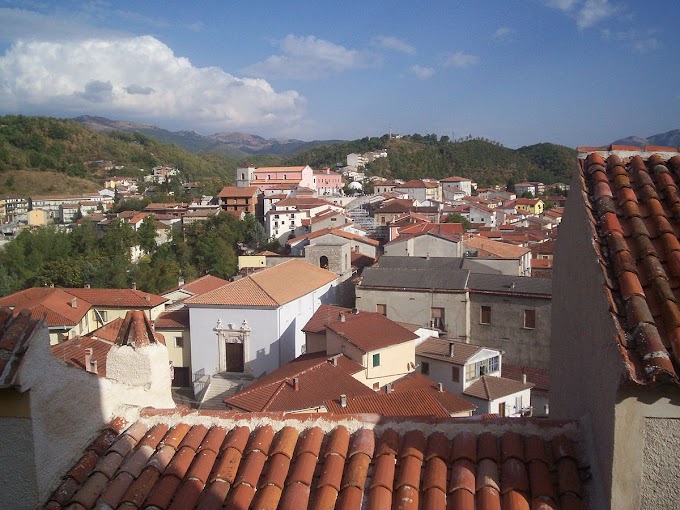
point(427, 341)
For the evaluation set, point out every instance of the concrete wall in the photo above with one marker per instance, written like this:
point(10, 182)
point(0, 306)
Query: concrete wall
point(315, 342)
point(416, 307)
point(493, 406)
point(586, 366)
point(440, 372)
point(521, 346)
point(180, 356)
point(661, 476)
point(17, 460)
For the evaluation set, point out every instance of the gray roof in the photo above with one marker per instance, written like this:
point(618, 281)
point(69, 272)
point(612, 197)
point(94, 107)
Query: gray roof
point(394, 262)
point(443, 278)
point(514, 284)
point(398, 278)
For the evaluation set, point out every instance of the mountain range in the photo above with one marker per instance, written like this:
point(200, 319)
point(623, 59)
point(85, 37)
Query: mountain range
point(233, 144)
point(668, 139)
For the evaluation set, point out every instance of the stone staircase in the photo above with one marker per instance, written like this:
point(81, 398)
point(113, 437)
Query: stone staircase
point(222, 387)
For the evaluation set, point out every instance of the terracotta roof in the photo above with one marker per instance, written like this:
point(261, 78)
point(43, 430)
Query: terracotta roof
point(455, 178)
point(117, 298)
point(541, 263)
point(491, 248)
point(264, 169)
point(318, 381)
point(137, 331)
point(418, 402)
point(240, 461)
point(323, 315)
point(73, 352)
point(337, 232)
point(539, 377)
point(200, 285)
point(439, 348)
point(274, 286)
point(174, 319)
point(397, 205)
point(236, 192)
point(635, 217)
point(108, 331)
point(56, 305)
point(418, 183)
point(451, 402)
point(448, 231)
point(15, 335)
point(488, 387)
point(370, 331)
point(301, 202)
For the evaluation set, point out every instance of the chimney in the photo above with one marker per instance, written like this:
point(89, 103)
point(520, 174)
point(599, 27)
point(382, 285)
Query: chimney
point(296, 383)
point(341, 317)
point(343, 401)
point(134, 285)
point(88, 359)
point(524, 378)
point(451, 349)
point(148, 297)
point(355, 311)
point(388, 387)
point(334, 361)
point(440, 387)
point(93, 367)
point(87, 286)
point(74, 303)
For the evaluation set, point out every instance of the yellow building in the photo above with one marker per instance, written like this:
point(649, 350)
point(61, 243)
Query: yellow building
point(529, 206)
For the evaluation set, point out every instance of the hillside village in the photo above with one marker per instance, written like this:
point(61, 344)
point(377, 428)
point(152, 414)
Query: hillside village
point(431, 343)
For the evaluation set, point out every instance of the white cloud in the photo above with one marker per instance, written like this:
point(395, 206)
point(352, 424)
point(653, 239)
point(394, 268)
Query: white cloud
point(461, 59)
point(647, 45)
point(135, 77)
point(422, 72)
point(393, 43)
point(502, 33)
point(587, 13)
point(639, 41)
point(310, 57)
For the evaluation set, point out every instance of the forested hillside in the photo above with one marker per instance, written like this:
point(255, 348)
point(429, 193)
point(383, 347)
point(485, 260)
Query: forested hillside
point(482, 160)
point(64, 146)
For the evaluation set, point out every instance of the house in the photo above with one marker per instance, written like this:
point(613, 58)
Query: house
point(535, 188)
point(427, 239)
point(540, 378)
point(335, 236)
point(385, 186)
point(288, 216)
point(456, 183)
point(175, 328)
point(71, 312)
point(615, 351)
point(420, 190)
point(511, 313)
point(355, 160)
point(482, 215)
point(52, 405)
point(327, 182)
point(513, 258)
point(265, 177)
point(240, 199)
point(498, 395)
point(195, 287)
point(253, 325)
point(390, 209)
point(200, 213)
point(533, 206)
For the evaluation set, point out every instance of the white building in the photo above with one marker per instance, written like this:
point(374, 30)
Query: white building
point(254, 325)
point(457, 183)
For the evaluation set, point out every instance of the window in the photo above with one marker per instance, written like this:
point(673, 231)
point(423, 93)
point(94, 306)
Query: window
point(179, 342)
point(530, 319)
point(376, 360)
point(455, 374)
point(425, 368)
point(437, 320)
point(104, 315)
point(487, 366)
point(470, 372)
point(485, 317)
point(381, 309)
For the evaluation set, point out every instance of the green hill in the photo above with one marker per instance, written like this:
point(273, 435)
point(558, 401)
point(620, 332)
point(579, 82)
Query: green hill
point(484, 161)
point(65, 146)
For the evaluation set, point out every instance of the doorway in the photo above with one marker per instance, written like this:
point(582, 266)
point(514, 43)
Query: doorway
point(234, 357)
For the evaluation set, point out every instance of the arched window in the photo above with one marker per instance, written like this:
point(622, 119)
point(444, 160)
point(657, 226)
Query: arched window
point(323, 262)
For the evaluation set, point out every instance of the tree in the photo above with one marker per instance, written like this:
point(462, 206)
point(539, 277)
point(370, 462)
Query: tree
point(459, 218)
point(146, 234)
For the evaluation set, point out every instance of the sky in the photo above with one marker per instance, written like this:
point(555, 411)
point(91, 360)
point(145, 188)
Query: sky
point(573, 72)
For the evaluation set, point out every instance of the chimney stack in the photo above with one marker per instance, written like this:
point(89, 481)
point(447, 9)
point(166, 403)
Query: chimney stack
point(440, 387)
point(148, 297)
point(134, 285)
point(451, 349)
point(524, 378)
point(388, 387)
point(343, 401)
point(334, 361)
point(87, 285)
point(93, 367)
point(88, 359)
point(341, 317)
point(296, 383)
point(74, 303)
point(355, 311)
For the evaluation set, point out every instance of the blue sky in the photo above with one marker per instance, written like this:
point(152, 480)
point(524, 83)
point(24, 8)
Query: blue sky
point(575, 72)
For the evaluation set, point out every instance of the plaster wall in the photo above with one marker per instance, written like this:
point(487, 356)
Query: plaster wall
point(395, 361)
point(335, 344)
point(69, 406)
point(493, 406)
point(661, 477)
point(506, 331)
point(357, 246)
point(416, 307)
point(315, 342)
point(585, 363)
point(441, 372)
point(510, 267)
point(17, 458)
point(180, 356)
